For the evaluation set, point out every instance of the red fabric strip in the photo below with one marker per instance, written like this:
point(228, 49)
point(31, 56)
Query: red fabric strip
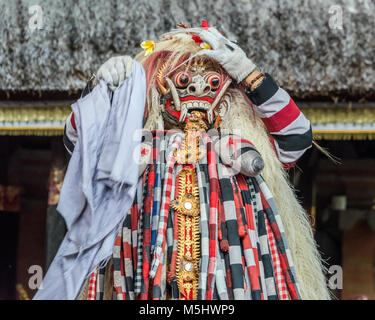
point(283, 118)
point(147, 231)
point(213, 181)
point(253, 271)
point(73, 122)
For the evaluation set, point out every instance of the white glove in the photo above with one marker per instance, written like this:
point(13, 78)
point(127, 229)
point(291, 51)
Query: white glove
point(114, 71)
point(228, 54)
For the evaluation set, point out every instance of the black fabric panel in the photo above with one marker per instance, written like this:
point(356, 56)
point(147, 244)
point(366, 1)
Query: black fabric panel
point(86, 90)
point(262, 230)
point(267, 266)
point(237, 275)
point(233, 237)
point(273, 297)
point(264, 91)
point(226, 189)
point(174, 289)
point(156, 291)
point(68, 144)
point(55, 232)
point(294, 142)
point(256, 294)
point(227, 267)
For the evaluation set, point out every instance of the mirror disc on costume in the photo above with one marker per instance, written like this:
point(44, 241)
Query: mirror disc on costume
point(188, 267)
point(188, 205)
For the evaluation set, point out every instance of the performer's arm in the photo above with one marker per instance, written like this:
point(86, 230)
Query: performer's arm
point(113, 72)
point(289, 129)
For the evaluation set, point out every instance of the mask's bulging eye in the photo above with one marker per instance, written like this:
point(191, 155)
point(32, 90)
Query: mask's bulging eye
point(214, 80)
point(182, 79)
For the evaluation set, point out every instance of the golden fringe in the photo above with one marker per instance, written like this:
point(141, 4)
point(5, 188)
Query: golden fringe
point(306, 258)
point(28, 114)
point(31, 131)
point(339, 115)
point(344, 135)
point(155, 121)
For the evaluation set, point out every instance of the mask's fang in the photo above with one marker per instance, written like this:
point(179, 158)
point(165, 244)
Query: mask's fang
point(220, 95)
point(224, 105)
point(210, 116)
point(176, 99)
point(184, 112)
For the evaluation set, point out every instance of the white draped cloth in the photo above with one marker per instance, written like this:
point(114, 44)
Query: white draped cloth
point(100, 182)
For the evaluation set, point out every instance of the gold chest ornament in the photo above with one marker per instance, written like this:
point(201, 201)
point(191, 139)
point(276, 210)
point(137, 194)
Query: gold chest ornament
point(187, 206)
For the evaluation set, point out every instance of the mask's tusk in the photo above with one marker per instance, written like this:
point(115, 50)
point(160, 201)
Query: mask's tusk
point(159, 79)
point(221, 93)
point(217, 100)
point(210, 116)
point(175, 96)
point(225, 105)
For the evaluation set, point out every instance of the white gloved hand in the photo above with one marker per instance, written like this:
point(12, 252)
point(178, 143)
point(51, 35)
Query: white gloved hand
point(114, 71)
point(228, 54)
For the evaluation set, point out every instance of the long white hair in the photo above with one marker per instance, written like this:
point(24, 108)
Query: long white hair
point(241, 118)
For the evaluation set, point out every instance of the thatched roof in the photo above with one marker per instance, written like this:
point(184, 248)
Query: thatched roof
point(291, 39)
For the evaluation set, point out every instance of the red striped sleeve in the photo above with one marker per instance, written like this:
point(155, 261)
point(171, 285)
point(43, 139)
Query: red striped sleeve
point(286, 165)
point(282, 118)
point(291, 131)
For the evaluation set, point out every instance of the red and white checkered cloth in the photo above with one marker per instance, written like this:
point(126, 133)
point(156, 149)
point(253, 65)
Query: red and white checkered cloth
point(212, 219)
point(282, 289)
point(92, 288)
point(164, 209)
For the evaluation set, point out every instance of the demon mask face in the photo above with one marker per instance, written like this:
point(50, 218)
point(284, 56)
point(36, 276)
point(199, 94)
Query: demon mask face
point(200, 86)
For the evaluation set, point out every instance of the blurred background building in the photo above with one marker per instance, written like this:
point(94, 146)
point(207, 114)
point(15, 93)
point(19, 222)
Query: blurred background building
point(321, 51)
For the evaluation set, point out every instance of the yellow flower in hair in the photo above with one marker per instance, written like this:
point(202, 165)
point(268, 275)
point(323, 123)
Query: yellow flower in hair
point(148, 46)
point(205, 45)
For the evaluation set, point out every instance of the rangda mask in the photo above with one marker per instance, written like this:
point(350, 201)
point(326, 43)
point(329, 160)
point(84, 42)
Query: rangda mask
point(201, 86)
